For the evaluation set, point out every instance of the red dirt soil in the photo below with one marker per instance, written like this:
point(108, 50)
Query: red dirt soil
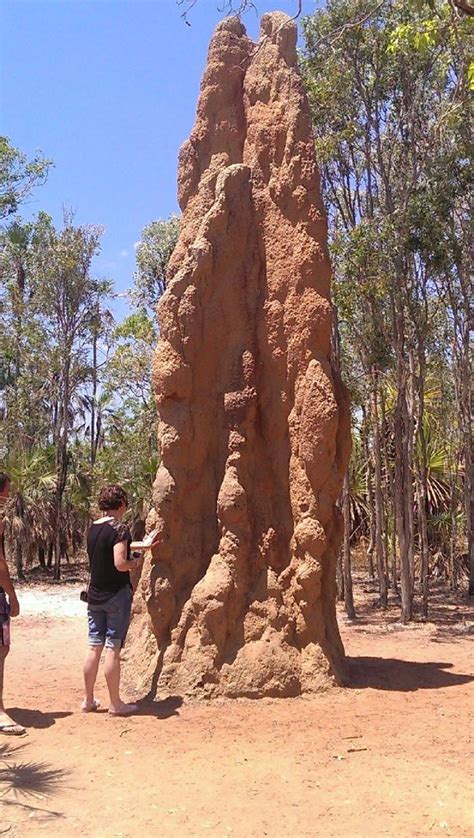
point(388, 756)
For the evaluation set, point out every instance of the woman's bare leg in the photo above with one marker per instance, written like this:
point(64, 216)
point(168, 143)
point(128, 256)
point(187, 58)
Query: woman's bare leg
point(112, 676)
point(5, 719)
point(91, 667)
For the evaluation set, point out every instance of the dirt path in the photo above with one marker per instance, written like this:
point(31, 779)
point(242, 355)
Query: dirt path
point(388, 757)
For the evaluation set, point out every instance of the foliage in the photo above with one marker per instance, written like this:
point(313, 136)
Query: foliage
point(18, 176)
point(388, 86)
point(29, 514)
point(129, 451)
point(153, 253)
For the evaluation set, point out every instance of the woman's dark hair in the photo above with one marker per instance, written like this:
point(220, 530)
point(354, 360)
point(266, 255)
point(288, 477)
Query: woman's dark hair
point(112, 497)
point(4, 479)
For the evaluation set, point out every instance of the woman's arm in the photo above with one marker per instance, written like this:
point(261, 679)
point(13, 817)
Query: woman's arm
point(7, 585)
point(120, 558)
point(5, 581)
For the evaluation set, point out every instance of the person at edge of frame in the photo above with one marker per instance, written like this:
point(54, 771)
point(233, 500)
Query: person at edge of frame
point(9, 607)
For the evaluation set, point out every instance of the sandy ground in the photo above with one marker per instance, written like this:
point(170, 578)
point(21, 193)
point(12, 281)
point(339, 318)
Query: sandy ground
point(389, 756)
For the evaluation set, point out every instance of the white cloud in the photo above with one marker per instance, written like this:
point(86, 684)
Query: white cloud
point(124, 253)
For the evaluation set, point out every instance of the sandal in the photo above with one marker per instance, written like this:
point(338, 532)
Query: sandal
point(126, 710)
point(90, 708)
point(12, 729)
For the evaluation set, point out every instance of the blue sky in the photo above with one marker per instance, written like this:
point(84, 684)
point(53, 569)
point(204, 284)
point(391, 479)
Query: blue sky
point(108, 90)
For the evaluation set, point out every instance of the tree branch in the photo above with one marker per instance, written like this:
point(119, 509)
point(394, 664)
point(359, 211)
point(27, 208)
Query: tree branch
point(338, 33)
point(464, 6)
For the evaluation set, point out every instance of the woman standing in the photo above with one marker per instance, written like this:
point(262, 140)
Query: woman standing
point(109, 598)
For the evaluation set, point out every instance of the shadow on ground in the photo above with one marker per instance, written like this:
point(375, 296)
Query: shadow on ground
point(160, 709)
point(22, 783)
point(402, 676)
point(35, 718)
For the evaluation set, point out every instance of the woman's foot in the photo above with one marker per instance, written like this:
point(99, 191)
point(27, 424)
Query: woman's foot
point(90, 706)
point(9, 727)
point(123, 709)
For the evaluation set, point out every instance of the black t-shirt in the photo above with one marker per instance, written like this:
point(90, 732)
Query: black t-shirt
point(105, 579)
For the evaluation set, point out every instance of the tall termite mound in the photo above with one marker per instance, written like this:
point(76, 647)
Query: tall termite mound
point(239, 597)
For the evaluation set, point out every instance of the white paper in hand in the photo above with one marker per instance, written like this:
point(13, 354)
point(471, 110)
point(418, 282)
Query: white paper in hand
point(150, 538)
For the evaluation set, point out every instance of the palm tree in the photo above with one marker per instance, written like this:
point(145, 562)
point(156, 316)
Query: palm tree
point(28, 511)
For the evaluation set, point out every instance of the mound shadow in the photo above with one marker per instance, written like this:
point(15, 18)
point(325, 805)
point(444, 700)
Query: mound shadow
point(160, 709)
point(401, 675)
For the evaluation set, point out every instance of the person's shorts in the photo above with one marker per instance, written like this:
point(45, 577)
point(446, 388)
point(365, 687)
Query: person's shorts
point(109, 622)
point(4, 620)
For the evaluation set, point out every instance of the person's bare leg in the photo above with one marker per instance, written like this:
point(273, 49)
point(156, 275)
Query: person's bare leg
point(91, 667)
point(3, 654)
point(112, 676)
point(5, 720)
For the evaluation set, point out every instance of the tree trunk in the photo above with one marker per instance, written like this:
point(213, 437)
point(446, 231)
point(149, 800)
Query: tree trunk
point(461, 308)
point(423, 532)
point(41, 556)
point(370, 497)
point(471, 539)
point(410, 458)
point(93, 429)
point(62, 461)
point(465, 6)
point(466, 390)
point(340, 577)
point(453, 507)
point(402, 476)
point(343, 595)
point(402, 525)
point(378, 488)
point(346, 550)
point(19, 560)
point(393, 566)
point(421, 474)
point(19, 295)
point(387, 494)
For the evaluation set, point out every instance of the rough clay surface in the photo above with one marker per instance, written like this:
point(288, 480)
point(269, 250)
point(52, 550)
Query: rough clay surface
point(239, 598)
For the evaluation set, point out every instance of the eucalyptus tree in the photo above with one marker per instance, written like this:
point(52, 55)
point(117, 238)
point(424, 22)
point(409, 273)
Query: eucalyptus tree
point(128, 453)
point(153, 252)
point(25, 376)
point(67, 294)
point(101, 327)
point(129, 449)
point(386, 83)
point(18, 176)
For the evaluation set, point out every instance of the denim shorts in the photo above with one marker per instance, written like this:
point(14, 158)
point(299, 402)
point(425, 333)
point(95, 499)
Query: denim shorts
point(109, 622)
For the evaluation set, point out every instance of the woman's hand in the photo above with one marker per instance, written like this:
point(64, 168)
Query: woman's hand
point(14, 605)
point(137, 546)
point(148, 542)
point(141, 547)
point(135, 561)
